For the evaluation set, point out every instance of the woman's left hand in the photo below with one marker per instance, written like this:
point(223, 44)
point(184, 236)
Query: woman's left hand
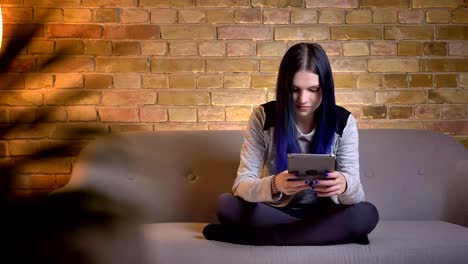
point(334, 184)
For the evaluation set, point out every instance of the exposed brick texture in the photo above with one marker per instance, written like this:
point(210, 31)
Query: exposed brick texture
point(145, 65)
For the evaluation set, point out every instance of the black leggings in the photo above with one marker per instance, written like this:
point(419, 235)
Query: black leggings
point(324, 223)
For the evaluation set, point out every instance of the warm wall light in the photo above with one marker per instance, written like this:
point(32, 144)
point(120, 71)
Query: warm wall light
point(1, 27)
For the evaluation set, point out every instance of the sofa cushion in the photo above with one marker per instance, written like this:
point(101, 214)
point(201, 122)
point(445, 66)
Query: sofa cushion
point(391, 242)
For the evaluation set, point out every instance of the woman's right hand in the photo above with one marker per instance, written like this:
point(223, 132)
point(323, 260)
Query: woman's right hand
point(289, 187)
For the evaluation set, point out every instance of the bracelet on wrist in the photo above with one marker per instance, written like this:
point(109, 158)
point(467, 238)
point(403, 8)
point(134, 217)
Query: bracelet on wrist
point(274, 189)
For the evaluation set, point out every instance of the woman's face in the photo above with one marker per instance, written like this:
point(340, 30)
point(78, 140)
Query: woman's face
point(307, 93)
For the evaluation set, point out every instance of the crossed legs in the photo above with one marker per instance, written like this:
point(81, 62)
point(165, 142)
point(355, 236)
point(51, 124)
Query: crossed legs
point(260, 224)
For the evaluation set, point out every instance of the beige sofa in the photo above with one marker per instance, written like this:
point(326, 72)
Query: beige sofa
point(417, 179)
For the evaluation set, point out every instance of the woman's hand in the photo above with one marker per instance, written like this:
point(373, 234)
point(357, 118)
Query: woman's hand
point(289, 187)
point(334, 184)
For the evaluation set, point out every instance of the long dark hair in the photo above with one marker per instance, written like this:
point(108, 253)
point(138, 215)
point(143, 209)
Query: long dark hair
point(310, 57)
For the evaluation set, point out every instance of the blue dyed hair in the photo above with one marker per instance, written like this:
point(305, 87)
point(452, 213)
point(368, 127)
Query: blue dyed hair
point(310, 57)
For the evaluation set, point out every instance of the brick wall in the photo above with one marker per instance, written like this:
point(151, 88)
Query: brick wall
point(147, 65)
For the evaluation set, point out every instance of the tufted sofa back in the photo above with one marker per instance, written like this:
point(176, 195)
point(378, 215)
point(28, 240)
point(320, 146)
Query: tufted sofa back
point(175, 176)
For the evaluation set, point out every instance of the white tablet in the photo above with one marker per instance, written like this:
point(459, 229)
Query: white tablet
point(310, 166)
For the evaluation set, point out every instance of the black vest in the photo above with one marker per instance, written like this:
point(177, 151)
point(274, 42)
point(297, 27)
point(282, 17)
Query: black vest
point(270, 112)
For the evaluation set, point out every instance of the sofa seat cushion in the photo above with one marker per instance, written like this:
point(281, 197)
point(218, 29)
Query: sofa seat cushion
point(390, 242)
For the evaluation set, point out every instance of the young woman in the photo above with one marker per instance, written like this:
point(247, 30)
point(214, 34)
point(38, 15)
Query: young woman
point(266, 208)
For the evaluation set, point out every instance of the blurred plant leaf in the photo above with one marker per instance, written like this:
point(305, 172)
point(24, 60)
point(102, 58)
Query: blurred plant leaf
point(21, 37)
point(35, 227)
